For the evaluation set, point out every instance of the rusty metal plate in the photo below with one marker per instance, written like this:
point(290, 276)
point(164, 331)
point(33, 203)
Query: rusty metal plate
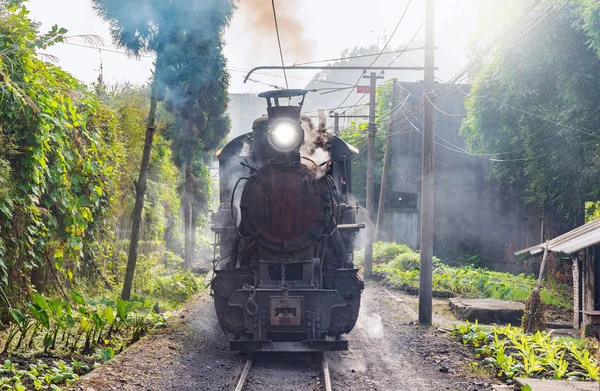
point(284, 208)
point(285, 311)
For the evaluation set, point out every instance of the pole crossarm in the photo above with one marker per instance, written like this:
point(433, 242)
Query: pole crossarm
point(329, 67)
point(349, 116)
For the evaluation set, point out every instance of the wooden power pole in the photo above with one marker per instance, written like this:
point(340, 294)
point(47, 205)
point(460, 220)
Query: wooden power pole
point(368, 265)
point(426, 234)
point(386, 163)
point(336, 117)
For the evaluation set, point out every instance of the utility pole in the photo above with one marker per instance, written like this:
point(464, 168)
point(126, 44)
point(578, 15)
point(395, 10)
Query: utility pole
point(336, 122)
point(386, 162)
point(426, 237)
point(368, 265)
point(336, 118)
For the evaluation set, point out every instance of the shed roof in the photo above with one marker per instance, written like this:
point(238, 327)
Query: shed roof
point(581, 237)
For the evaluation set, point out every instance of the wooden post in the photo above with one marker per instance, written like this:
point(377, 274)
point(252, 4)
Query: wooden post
point(368, 264)
point(426, 237)
point(543, 265)
point(140, 191)
point(386, 162)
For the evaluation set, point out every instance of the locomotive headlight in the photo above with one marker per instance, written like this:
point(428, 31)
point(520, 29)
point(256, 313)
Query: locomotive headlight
point(285, 135)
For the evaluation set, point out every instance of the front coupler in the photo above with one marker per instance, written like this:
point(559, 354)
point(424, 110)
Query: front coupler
point(282, 319)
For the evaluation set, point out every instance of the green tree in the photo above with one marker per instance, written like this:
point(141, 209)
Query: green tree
point(589, 11)
point(535, 108)
point(161, 208)
point(197, 95)
point(147, 26)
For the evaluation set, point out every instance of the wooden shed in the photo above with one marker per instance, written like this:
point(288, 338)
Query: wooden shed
point(582, 247)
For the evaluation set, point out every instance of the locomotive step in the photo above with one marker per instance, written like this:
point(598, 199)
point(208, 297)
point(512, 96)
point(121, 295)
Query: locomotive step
point(350, 226)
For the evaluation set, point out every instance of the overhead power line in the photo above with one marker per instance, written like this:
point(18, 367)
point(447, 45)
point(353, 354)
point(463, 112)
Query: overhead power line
point(465, 152)
point(539, 116)
point(231, 69)
point(106, 49)
point(379, 55)
point(361, 56)
point(409, 42)
point(279, 43)
point(479, 61)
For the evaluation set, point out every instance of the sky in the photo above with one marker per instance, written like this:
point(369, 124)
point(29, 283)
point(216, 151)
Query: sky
point(310, 30)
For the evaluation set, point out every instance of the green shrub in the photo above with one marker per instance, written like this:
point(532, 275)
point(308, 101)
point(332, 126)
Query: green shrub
point(175, 288)
point(511, 352)
point(172, 260)
point(383, 252)
point(400, 266)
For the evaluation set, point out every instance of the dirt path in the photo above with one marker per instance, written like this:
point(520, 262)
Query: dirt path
point(387, 352)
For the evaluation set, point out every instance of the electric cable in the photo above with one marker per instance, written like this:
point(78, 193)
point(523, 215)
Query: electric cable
point(279, 43)
point(359, 56)
point(376, 58)
point(476, 62)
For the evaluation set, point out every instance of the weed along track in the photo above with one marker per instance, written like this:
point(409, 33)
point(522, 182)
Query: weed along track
point(285, 371)
point(386, 352)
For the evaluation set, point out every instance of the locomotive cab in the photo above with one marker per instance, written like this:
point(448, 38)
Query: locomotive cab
point(284, 279)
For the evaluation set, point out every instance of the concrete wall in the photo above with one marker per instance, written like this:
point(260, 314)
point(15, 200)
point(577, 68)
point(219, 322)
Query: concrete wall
point(473, 213)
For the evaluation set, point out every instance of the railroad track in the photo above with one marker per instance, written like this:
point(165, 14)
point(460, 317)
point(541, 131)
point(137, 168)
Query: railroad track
point(319, 358)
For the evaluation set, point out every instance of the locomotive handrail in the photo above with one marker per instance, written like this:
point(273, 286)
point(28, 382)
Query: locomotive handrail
point(329, 67)
point(282, 93)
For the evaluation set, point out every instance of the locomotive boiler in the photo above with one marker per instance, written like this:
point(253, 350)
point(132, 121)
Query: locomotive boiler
point(284, 278)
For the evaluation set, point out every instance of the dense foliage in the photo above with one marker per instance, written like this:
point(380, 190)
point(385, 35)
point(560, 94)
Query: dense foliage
point(535, 107)
point(70, 157)
point(130, 103)
point(60, 151)
point(511, 353)
point(399, 265)
point(40, 375)
point(187, 38)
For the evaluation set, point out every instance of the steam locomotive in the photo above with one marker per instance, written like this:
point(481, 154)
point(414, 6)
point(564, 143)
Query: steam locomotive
point(284, 278)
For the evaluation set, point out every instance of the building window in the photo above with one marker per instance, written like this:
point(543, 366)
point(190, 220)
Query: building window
point(402, 200)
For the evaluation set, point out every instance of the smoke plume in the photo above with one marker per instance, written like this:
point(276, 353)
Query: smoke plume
point(314, 152)
point(260, 27)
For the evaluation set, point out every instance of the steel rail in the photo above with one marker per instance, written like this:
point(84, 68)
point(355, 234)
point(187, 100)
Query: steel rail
point(325, 369)
point(244, 376)
point(321, 357)
point(330, 67)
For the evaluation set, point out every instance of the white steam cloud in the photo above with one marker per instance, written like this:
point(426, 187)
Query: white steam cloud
point(314, 153)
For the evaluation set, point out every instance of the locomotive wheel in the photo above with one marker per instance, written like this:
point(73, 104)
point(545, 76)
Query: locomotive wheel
point(344, 318)
point(224, 286)
point(230, 318)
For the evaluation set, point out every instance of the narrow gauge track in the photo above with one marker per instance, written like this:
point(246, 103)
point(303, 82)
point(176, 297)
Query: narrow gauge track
point(320, 359)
